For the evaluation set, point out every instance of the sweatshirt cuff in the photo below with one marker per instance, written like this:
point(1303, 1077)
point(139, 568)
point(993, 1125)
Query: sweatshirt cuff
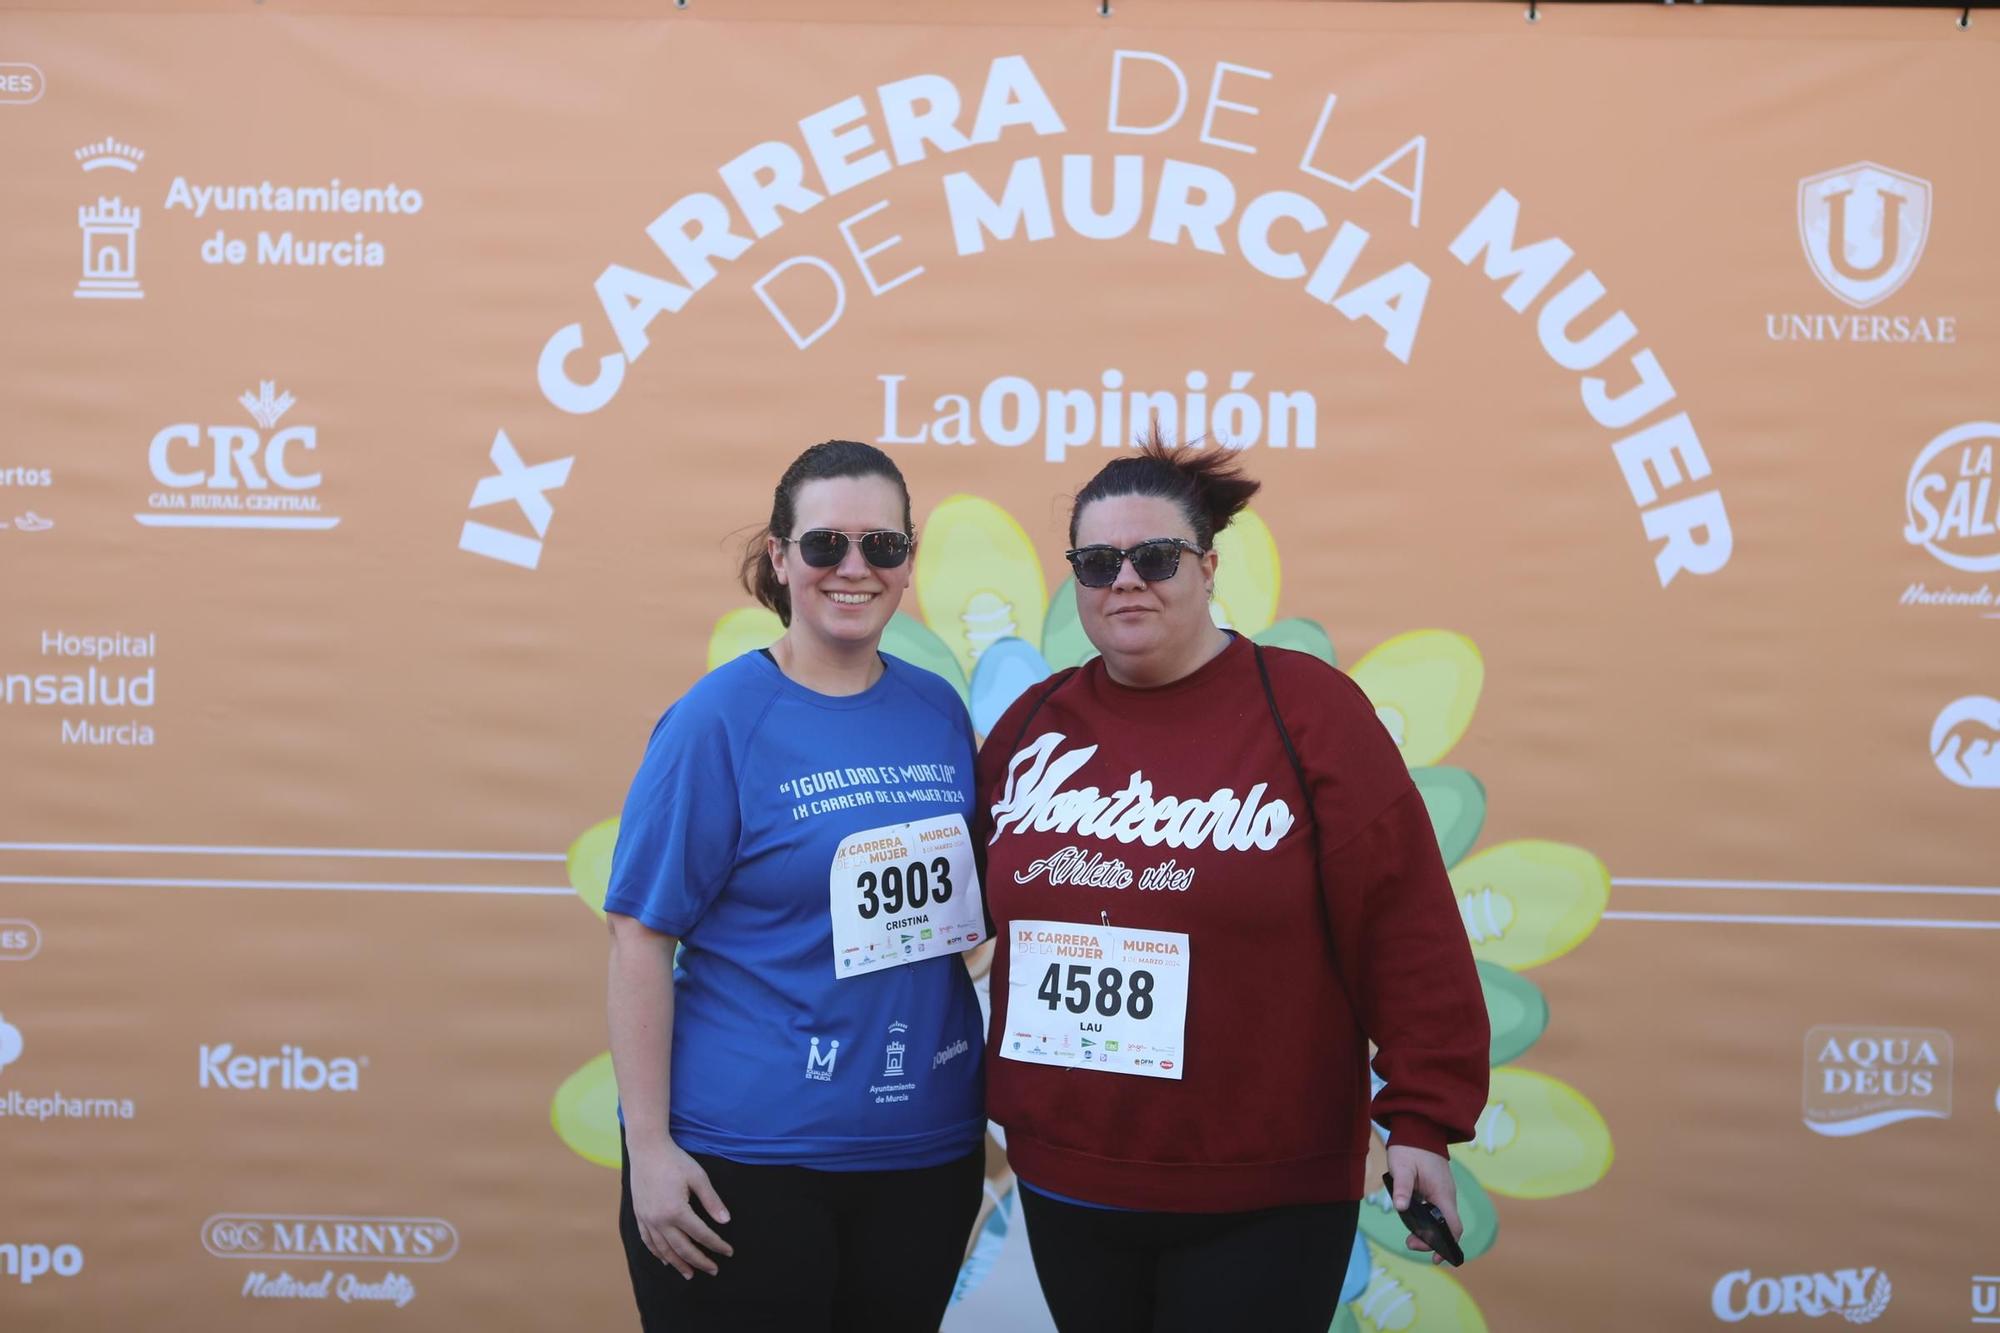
point(1413, 1131)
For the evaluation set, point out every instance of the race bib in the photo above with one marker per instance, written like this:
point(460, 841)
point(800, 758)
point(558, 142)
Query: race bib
point(902, 893)
point(1096, 997)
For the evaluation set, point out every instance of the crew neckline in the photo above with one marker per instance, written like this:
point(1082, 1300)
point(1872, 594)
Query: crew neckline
point(807, 694)
point(1143, 702)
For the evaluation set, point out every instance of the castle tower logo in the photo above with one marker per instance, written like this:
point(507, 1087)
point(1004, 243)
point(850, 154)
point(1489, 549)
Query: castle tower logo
point(110, 228)
point(1864, 227)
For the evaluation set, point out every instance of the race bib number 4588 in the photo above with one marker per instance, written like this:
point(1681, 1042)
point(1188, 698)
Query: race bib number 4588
point(1096, 997)
point(903, 892)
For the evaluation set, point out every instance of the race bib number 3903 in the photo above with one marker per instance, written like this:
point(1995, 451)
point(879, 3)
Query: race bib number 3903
point(902, 893)
point(1096, 997)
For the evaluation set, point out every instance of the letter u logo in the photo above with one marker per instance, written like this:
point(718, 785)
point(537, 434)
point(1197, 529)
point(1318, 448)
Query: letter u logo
point(1836, 239)
point(1825, 216)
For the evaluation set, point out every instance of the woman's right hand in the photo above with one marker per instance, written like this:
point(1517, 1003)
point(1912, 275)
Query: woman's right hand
point(664, 1181)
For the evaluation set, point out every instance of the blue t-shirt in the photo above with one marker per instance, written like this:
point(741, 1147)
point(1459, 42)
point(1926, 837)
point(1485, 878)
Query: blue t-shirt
point(749, 785)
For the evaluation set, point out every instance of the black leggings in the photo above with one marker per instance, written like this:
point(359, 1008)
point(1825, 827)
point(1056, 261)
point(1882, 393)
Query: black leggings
point(834, 1250)
point(1277, 1270)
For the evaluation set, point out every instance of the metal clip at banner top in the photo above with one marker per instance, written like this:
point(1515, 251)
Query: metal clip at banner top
point(1103, 918)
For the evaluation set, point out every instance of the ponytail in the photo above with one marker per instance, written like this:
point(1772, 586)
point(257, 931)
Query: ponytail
point(1207, 485)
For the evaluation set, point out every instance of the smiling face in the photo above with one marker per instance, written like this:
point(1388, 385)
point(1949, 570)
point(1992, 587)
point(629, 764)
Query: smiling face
point(842, 609)
point(1149, 633)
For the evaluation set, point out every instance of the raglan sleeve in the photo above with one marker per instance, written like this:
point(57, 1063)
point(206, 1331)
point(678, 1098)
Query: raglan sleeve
point(678, 835)
point(1397, 931)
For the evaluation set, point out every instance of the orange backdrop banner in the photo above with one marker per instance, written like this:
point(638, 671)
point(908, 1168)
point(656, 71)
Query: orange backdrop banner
point(388, 388)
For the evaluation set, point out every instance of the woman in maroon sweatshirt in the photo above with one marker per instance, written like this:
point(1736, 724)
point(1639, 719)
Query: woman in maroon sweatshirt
point(1213, 884)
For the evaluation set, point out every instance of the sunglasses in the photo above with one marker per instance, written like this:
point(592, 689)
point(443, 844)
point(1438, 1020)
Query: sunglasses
point(823, 548)
point(1153, 560)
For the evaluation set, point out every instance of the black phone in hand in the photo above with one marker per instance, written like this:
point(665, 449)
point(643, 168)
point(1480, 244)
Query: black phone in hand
point(1426, 1222)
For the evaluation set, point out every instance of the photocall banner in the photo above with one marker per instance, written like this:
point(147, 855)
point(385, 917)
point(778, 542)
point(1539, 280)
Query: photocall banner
point(388, 389)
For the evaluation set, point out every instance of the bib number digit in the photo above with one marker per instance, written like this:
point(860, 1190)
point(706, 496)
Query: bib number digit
point(917, 885)
point(1108, 997)
point(871, 905)
point(1140, 1006)
point(1078, 986)
point(942, 869)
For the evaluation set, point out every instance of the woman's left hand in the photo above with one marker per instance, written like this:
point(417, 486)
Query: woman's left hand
point(1429, 1175)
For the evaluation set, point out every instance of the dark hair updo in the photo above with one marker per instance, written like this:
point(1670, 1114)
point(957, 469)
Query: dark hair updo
point(825, 461)
point(1206, 485)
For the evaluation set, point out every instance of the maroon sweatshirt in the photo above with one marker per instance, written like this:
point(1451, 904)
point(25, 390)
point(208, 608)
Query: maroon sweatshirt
point(1286, 971)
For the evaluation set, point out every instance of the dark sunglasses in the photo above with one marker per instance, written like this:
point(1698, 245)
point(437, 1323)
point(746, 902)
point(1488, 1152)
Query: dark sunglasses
point(823, 548)
point(1152, 560)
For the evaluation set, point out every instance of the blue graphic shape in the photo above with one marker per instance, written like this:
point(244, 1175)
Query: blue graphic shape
point(1006, 669)
point(1358, 1268)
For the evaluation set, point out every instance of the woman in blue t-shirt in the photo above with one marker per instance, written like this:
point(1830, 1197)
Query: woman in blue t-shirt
point(800, 1090)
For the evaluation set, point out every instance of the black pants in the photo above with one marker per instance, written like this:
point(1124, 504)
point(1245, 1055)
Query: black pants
point(835, 1250)
point(1276, 1270)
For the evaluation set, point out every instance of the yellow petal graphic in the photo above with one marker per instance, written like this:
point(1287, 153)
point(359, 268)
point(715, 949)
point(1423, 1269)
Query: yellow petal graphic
point(1413, 1298)
point(590, 864)
point(744, 630)
point(1529, 901)
point(1538, 1138)
point(1424, 685)
point(978, 579)
point(585, 1112)
point(1064, 644)
point(1246, 576)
